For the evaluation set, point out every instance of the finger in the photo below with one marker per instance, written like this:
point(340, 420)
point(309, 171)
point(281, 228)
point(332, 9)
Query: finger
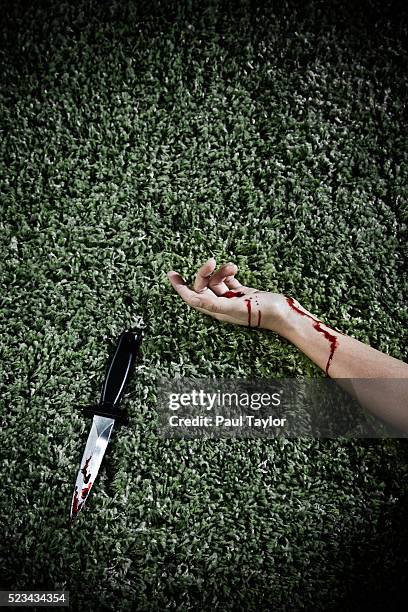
point(203, 275)
point(207, 303)
point(217, 283)
point(207, 300)
point(232, 282)
point(180, 285)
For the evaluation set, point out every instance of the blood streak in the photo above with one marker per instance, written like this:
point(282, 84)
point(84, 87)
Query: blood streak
point(75, 502)
point(231, 294)
point(317, 326)
point(85, 470)
point(249, 307)
point(76, 506)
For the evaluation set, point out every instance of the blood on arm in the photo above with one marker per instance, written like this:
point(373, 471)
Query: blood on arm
point(317, 325)
point(233, 294)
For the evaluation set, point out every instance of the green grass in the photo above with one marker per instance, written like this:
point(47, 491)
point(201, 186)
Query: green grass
point(143, 137)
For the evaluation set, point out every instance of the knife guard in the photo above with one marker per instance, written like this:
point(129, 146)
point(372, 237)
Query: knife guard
point(105, 410)
point(117, 375)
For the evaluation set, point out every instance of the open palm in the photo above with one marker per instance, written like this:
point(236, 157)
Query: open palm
point(219, 294)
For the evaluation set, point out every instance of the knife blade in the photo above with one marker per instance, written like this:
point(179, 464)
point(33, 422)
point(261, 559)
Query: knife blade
point(105, 414)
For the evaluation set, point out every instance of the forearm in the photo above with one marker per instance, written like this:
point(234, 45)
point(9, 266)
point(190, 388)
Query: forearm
point(340, 356)
point(351, 363)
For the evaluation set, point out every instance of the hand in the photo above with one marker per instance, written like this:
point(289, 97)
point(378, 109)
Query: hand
point(220, 295)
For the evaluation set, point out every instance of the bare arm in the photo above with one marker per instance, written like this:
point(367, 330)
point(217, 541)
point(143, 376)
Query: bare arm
point(220, 295)
point(351, 363)
point(339, 355)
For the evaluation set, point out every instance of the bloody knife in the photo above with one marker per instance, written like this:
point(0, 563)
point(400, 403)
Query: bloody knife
point(104, 416)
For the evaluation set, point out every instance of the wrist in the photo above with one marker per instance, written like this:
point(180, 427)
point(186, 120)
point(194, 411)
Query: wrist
point(281, 317)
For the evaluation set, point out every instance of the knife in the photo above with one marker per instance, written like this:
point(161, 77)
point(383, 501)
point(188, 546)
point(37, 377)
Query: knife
point(105, 414)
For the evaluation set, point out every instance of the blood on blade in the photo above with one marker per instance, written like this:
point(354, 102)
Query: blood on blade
point(85, 472)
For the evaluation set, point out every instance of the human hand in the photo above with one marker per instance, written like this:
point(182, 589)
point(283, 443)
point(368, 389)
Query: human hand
point(220, 295)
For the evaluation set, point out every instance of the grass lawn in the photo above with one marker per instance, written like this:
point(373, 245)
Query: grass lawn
point(139, 137)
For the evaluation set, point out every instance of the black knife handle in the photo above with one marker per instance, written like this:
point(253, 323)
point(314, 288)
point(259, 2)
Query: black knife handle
point(117, 376)
point(119, 368)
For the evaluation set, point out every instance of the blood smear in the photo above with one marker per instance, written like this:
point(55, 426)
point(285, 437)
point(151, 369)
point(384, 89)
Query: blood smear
point(232, 294)
point(317, 326)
